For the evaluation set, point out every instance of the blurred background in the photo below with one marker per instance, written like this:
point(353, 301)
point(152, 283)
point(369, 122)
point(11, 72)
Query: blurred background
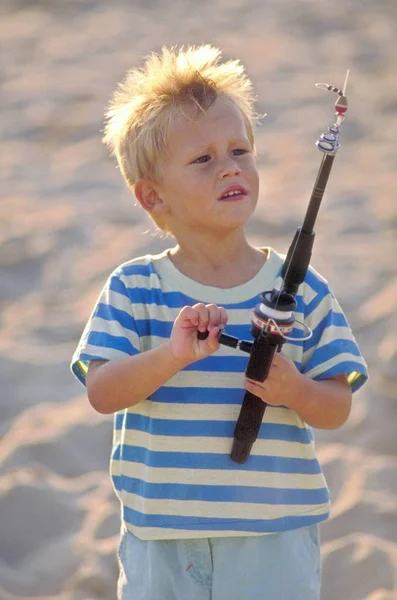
point(67, 220)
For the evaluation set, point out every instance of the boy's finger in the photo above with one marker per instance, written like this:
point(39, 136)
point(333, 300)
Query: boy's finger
point(256, 389)
point(214, 315)
point(253, 384)
point(203, 314)
point(213, 338)
point(224, 317)
point(217, 318)
point(188, 313)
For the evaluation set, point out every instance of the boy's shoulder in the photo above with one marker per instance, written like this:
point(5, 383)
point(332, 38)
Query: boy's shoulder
point(142, 265)
point(314, 282)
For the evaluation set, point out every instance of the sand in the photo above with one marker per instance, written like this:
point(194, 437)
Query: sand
point(68, 220)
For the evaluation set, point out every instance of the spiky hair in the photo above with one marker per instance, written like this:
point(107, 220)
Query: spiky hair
point(145, 103)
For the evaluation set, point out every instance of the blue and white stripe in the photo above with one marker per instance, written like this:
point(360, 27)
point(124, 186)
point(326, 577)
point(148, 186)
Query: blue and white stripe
point(170, 463)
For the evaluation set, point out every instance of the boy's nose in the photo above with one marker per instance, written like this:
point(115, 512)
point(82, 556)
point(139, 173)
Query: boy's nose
point(229, 171)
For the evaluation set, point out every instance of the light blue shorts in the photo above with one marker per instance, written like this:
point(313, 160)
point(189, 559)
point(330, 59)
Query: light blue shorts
point(280, 566)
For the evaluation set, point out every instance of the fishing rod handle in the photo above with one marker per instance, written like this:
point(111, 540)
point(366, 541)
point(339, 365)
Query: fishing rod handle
point(247, 427)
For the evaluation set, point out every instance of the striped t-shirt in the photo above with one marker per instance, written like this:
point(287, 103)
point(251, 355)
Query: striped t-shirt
point(170, 462)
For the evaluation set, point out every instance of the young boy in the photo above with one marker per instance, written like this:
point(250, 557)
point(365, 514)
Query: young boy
point(196, 525)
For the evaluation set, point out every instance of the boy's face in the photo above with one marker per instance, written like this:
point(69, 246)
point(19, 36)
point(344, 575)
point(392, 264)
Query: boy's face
point(209, 155)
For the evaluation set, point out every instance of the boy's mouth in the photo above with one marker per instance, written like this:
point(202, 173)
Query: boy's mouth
point(234, 192)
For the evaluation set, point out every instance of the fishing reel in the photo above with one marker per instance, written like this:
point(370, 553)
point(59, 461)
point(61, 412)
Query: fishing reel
point(272, 321)
point(271, 324)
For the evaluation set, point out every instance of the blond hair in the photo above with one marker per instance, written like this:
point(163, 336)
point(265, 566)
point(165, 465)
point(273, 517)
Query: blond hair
point(148, 99)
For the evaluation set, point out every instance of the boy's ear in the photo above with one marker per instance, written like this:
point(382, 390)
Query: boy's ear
point(147, 194)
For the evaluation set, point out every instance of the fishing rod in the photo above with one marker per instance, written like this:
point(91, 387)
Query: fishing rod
point(273, 319)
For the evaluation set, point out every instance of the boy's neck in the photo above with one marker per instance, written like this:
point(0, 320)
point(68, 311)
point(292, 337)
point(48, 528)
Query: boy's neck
point(222, 263)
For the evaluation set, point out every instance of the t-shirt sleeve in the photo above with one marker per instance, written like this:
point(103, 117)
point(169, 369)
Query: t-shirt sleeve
point(111, 331)
point(332, 349)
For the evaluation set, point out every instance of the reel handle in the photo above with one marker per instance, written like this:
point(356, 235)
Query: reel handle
point(202, 335)
point(225, 339)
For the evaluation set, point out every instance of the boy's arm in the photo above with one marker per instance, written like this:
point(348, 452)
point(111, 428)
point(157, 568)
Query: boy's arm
point(322, 404)
point(117, 384)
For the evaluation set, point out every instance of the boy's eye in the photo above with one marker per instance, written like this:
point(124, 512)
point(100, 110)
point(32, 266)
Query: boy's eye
point(206, 157)
point(202, 159)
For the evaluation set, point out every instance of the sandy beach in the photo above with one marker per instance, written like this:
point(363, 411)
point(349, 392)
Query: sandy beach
point(67, 220)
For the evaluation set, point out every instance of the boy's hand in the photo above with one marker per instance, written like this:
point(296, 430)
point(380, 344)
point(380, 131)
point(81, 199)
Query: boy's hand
point(284, 385)
point(184, 344)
